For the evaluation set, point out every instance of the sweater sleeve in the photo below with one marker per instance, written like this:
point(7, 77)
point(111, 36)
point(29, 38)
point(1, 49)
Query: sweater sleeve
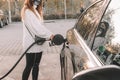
point(35, 25)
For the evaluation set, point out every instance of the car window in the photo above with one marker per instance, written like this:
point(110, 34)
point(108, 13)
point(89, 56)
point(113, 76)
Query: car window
point(107, 39)
point(87, 24)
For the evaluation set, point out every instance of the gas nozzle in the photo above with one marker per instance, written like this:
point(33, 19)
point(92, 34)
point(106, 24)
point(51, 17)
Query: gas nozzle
point(58, 40)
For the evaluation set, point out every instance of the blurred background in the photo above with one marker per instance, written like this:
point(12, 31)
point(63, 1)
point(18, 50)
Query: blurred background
point(53, 9)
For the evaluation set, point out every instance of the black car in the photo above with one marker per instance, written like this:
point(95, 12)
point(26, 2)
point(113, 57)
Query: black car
point(94, 41)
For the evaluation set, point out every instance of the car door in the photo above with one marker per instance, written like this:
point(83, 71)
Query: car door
point(77, 55)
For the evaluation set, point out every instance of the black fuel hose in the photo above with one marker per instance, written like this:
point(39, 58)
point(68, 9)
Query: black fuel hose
point(17, 61)
point(57, 40)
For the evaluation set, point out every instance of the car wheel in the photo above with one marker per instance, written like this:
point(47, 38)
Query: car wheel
point(1, 24)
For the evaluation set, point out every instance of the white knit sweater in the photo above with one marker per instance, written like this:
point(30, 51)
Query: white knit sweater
point(36, 27)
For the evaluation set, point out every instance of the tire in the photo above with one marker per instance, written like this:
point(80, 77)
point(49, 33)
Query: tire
point(1, 24)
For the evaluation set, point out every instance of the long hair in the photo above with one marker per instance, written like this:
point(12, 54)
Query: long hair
point(28, 4)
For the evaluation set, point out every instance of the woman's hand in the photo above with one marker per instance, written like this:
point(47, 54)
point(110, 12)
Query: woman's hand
point(51, 37)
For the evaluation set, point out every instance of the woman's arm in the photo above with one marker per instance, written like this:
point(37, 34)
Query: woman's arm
point(36, 26)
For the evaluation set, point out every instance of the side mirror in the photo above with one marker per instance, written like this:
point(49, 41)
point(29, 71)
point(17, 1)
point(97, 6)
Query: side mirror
point(108, 72)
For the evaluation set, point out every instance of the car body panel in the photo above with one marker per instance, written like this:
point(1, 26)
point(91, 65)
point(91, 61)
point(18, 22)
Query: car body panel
point(78, 55)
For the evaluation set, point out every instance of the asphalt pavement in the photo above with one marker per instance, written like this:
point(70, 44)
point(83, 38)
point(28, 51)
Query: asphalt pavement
point(11, 50)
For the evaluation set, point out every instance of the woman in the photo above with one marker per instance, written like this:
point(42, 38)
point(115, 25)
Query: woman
point(32, 18)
